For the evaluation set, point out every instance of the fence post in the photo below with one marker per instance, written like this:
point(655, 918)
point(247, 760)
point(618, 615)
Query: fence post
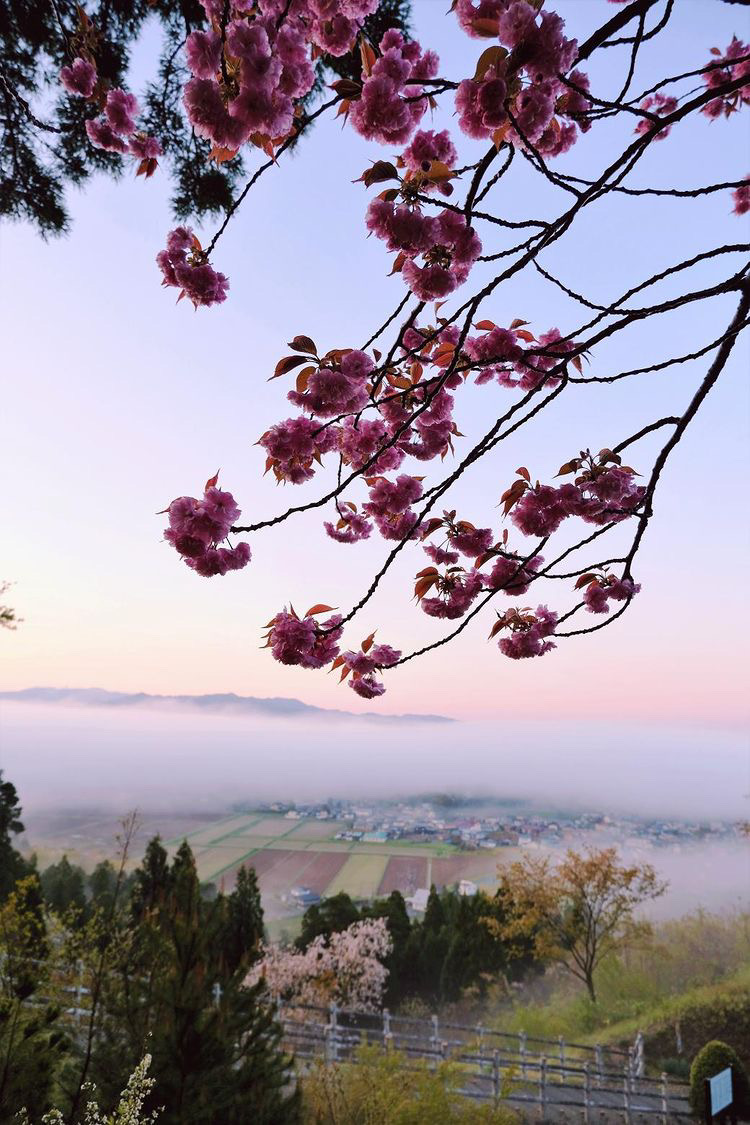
point(79, 991)
point(542, 1087)
point(599, 1055)
point(664, 1098)
point(626, 1095)
point(561, 1043)
point(522, 1051)
point(496, 1075)
point(332, 1046)
point(480, 1044)
point(586, 1092)
point(386, 1024)
point(640, 1055)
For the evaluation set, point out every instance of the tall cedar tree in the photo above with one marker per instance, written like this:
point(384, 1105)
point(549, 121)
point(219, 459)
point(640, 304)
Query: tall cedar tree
point(178, 993)
point(12, 864)
point(43, 143)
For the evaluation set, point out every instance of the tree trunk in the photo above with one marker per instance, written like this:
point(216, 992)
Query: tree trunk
point(590, 987)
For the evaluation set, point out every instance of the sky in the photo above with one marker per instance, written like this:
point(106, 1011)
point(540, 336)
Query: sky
point(117, 400)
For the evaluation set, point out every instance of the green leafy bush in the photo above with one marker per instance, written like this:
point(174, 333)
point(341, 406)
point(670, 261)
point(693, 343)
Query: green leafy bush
point(710, 1060)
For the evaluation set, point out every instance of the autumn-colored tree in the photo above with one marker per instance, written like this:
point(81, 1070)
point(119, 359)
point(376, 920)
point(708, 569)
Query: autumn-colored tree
point(577, 911)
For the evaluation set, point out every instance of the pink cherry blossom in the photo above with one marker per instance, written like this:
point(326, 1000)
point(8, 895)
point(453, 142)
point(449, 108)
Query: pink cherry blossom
point(719, 76)
point(511, 575)
point(197, 527)
point(293, 445)
point(304, 641)
point(427, 146)
point(741, 197)
point(346, 968)
point(79, 78)
point(360, 440)
point(661, 105)
point(382, 113)
point(121, 109)
point(470, 11)
point(102, 135)
point(351, 527)
point(455, 246)
point(184, 266)
point(601, 590)
point(457, 590)
point(337, 387)
point(528, 633)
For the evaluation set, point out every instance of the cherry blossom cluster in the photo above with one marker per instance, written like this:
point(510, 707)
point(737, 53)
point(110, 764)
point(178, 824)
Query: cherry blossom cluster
point(662, 106)
point(116, 129)
point(446, 244)
point(502, 358)
point(337, 383)
point(390, 105)
point(351, 525)
point(730, 71)
point(741, 197)
point(516, 94)
point(362, 665)
point(456, 589)
point(528, 632)
point(604, 491)
point(304, 641)
point(253, 65)
point(185, 266)
point(602, 588)
point(345, 968)
point(198, 528)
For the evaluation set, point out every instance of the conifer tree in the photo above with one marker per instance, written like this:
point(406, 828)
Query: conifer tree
point(179, 994)
point(12, 864)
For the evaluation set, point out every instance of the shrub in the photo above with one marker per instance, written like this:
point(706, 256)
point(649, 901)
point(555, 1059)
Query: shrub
point(710, 1060)
point(378, 1088)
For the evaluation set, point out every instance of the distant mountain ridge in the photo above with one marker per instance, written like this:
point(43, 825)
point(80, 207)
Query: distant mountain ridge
point(276, 707)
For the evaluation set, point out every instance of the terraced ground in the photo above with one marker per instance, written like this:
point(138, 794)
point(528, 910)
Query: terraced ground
point(287, 853)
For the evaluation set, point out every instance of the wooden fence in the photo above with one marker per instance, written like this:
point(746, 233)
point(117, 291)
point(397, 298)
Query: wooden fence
point(547, 1077)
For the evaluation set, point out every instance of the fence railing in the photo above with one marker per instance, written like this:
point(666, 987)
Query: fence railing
point(544, 1075)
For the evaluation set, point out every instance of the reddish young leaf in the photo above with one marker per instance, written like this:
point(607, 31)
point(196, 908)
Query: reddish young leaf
point(319, 608)
point(491, 57)
point(303, 344)
point(367, 642)
point(288, 363)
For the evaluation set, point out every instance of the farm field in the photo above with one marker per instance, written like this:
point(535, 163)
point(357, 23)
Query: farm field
point(285, 853)
point(360, 876)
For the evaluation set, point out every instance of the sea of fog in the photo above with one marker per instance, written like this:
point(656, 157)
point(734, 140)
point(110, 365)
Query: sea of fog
point(184, 759)
point(178, 757)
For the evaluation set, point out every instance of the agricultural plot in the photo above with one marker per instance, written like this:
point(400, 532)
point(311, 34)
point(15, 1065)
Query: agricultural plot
point(405, 874)
point(360, 876)
point(480, 867)
point(215, 832)
point(316, 830)
point(323, 870)
point(266, 826)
